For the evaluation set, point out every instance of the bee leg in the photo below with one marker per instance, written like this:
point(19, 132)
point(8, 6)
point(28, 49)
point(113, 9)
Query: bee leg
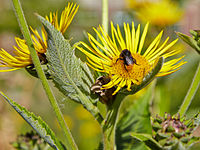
point(118, 59)
point(125, 67)
point(134, 61)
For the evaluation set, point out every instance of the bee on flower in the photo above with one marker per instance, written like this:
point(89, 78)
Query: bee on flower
point(125, 59)
point(22, 57)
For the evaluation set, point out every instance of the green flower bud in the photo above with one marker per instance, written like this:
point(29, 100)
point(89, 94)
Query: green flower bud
point(179, 134)
point(185, 139)
point(171, 131)
point(156, 127)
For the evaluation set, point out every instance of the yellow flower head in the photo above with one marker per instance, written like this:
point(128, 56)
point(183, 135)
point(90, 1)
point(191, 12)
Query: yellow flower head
point(21, 59)
point(67, 15)
point(138, 4)
point(22, 56)
point(161, 13)
point(125, 59)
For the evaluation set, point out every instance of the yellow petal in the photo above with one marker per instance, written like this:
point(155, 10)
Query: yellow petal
point(163, 50)
point(143, 38)
point(156, 41)
point(137, 37)
point(133, 50)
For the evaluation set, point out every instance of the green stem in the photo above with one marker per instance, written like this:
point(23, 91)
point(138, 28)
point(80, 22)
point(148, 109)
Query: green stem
point(24, 27)
point(191, 92)
point(105, 14)
point(109, 140)
point(110, 123)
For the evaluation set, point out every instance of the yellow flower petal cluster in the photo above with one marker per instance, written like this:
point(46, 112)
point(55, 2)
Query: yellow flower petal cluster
point(161, 13)
point(21, 57)
point(104, 55)
point(66, 17)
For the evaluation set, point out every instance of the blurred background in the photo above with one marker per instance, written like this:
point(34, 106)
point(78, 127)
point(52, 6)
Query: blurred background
point(174, 15)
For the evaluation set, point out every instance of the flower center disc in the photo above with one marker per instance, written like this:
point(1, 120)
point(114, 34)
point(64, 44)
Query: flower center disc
point(135, 72)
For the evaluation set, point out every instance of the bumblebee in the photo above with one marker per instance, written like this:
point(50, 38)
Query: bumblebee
point(127, 58)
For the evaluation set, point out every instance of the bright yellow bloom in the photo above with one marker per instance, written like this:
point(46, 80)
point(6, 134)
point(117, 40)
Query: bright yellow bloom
point(67, 15)
point(22, 56)
point(21, 59)
point(104, 56)
point(66, 18)
point(161, 13)
point(138, 4)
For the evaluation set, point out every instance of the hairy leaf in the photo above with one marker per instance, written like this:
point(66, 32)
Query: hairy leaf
point(37, 124)
point(70, 75)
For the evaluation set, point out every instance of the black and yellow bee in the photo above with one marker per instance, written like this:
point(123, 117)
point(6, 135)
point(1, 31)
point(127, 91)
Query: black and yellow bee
point(127, 58)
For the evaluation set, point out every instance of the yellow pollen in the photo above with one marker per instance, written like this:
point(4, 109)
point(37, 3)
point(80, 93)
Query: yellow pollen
point(135, 72)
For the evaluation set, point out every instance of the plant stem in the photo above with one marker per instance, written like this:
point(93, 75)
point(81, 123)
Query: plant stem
point(110, 123)
point(191, 92)
point(24, 28)
point(105, 14)
point(109, 140)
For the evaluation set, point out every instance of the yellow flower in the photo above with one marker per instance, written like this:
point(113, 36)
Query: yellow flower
point(66, 18)
point(138, 4)
point(22, 56)
point(39, 41)
point(161, 13)
point(21, 59)
point(106, 55)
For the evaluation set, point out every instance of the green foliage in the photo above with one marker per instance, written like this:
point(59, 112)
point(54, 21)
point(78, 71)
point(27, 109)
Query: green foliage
point(193, 42)
point(148, 140)
point(74, 79)
point(70, 75)
point(30, 141)
point(191, 92)
point(37, 124)
point(137, 120)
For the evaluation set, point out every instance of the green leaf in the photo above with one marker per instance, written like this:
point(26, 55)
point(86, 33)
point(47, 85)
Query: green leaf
point(137, 119)
point(70, 75)
point(190, 41)
point(37, 124)
point(148, 140)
